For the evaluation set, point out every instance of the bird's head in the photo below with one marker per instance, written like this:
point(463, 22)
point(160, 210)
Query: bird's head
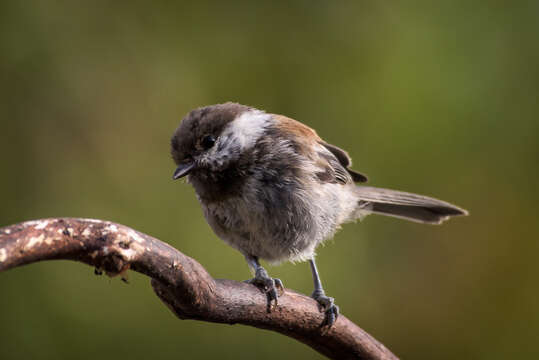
point(211, 139)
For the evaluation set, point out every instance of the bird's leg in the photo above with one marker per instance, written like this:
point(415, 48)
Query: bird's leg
point(263, 281)
point(326, 302)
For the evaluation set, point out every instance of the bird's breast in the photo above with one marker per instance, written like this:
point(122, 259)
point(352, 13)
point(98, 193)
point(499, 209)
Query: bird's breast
point(274, 222)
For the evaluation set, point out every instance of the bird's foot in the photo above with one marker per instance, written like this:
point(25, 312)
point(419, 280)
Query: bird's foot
point(272, 287)
point(327, 305)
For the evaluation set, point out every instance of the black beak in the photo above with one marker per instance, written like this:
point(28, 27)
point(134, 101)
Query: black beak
point(183, 169)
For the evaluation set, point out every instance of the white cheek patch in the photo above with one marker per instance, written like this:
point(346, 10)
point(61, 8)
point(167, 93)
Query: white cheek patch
point(240, 134)
point(246, 129)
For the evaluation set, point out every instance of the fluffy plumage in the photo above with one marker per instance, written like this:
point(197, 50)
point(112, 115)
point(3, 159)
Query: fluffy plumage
point(273, 189)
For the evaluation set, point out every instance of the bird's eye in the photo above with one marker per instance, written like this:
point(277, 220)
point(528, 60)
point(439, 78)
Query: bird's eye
point(208, 141)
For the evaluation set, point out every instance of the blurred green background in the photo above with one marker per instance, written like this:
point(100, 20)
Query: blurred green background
point(439, 98)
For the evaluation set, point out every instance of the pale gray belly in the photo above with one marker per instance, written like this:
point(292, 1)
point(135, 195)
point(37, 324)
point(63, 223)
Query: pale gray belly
point(279, 227)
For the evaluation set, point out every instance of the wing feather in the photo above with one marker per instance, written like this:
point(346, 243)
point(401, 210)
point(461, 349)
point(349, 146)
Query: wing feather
point(333, 162)
point(345, 160)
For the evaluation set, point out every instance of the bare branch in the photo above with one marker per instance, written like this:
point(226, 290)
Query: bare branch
point(182, 283)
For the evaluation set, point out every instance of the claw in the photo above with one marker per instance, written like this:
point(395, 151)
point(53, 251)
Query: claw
point(327, 305)
point(279, 285)
point(332, 313)
point(269, 286)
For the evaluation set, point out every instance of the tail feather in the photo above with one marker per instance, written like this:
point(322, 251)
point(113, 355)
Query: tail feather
point(407, 206)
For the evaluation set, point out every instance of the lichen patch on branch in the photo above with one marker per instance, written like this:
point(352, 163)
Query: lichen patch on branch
point(36, 240)
point(42, 225)
point(136, 237)
point(111, 228)
point(129, 251)
point(86, 232)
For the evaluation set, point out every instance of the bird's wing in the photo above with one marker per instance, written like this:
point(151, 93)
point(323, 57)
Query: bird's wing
point(331, 161)
point(345, 161)
point(329, 168)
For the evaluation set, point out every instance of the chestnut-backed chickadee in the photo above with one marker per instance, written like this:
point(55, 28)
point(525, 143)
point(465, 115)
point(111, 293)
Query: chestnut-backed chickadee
point(271, 188)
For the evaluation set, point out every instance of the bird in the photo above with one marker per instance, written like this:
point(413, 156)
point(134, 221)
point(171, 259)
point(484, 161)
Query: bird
point(271, 188)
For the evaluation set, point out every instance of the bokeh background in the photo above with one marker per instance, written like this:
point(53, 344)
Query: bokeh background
point(439, 98)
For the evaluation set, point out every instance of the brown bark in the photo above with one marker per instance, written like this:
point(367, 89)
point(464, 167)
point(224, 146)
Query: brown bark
point(182, 283)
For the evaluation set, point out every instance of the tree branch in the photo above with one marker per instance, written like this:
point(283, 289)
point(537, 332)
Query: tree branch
point(182, 283)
